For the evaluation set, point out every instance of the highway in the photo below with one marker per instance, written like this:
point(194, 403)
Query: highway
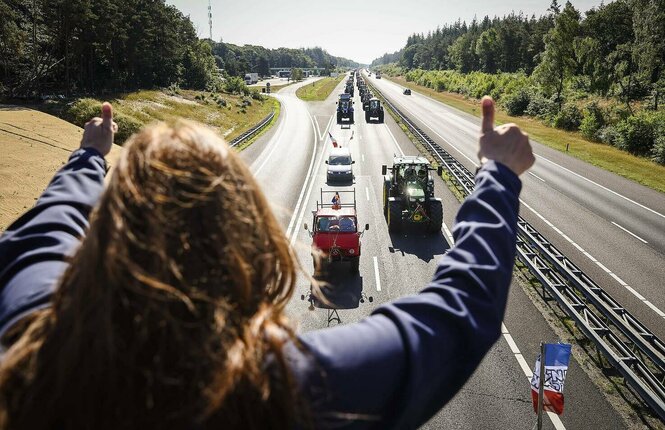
point(611, 227)
point(289, 164)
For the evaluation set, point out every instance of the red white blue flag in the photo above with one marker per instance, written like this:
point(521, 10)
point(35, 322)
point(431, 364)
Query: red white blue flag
point(334, 142)
point(557, 356)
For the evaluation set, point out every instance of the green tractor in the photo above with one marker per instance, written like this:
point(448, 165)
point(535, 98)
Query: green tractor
point(408, 194)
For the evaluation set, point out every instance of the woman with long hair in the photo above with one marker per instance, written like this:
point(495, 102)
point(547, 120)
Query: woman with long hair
point(158, 301)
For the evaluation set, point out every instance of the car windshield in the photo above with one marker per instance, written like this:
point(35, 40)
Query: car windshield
point(332, 224)
point(337, 160)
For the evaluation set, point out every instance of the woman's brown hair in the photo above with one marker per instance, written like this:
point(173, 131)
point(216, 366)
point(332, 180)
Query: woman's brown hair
point(171, 313)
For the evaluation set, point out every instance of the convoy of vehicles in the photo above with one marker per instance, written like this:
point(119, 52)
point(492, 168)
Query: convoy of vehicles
point(408, 191)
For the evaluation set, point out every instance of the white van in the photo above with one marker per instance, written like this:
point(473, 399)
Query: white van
point(340, 165)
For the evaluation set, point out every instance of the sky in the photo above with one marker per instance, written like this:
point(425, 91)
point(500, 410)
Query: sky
point(360, 30)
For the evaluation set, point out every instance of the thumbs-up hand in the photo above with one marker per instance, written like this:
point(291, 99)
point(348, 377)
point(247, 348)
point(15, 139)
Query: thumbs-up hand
point(98, 132)
point(505, 144)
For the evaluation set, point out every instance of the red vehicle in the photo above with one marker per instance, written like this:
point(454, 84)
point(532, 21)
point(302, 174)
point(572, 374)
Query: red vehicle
point(335, 230)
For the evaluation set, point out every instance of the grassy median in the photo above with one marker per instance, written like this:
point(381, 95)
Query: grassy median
point(319, 90)
point(638, 169)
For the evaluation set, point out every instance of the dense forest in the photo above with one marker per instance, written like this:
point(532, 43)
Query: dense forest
point(237, 60)
point(601, 72)
point(95, 46)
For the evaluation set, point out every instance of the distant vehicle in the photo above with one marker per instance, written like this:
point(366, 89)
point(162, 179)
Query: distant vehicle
point(340, 165)
point(408, 194)
point(374, 110)
point(335, 231)
point(284, 73)
point(251, 78)
point(345, 109)
point(407, 91)
point(378, 75)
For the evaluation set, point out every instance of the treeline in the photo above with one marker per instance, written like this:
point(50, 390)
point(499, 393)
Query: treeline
point(90, 46)
point(602, 73)
point(237, 60)
point(77, 47)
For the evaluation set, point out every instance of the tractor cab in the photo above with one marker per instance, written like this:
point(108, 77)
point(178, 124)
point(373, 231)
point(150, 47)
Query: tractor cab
point(345, 109)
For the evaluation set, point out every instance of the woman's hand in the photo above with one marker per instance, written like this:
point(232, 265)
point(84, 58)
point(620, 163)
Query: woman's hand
point(98, 132)
point(505, 143)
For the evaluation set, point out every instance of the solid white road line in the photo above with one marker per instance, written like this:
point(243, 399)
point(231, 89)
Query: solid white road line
point(603, 187)
point(376, 274)
point(394, 140)
point(598, 263)
point(276, 139)
point(363, 156)
point(629, 232)
point(367, 193)
point(536, 176)
point(294, 232)
point(292, 226)
point(449, 235)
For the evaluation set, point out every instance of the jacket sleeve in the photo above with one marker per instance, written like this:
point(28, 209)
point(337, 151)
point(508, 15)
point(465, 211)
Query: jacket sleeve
point(34, 250)
point(398, 367)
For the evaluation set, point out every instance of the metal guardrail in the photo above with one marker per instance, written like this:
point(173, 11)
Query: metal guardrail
point(252, 131)
point(629, 346)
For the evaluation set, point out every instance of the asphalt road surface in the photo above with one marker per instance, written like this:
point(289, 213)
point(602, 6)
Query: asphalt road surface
point(611, 227)
point(289, 164)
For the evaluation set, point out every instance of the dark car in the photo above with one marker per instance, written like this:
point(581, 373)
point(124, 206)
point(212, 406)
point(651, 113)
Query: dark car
point(407, 92)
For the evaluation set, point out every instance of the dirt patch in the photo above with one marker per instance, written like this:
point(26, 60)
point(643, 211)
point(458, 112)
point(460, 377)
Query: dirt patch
point(34, 145)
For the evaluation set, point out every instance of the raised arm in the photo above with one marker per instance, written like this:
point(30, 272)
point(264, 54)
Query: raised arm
point(398, 367)
point(35, 248)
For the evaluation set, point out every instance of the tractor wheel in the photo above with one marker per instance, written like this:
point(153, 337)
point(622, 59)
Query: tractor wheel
point(394, 215)
point(386, 195)
point(367, 116)
point(339, 118)
point(381, 117)
point(355, 265)
point(351, 120)
point(436, 216)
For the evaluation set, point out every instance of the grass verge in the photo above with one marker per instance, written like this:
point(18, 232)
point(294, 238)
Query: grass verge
point(230, 115)
point(319, 90)
point(277, 108)
point(638, 169)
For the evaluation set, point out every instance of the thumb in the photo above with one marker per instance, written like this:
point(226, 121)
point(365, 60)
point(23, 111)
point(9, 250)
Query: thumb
point(107, 115)
point(488, 114)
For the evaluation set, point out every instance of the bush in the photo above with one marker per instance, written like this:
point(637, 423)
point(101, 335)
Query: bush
point(592, 121)
point(658, 151)
point(608, 135)
point(540, 107)
point(517, 103)
point(568, 118)
point(82, 110)
point(256, 95)
point(235, 85)
point(221, 102)
point(127, 125)
point(637, 134)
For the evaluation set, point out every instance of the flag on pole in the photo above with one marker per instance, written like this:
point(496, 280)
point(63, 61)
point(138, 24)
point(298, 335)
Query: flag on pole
point(334, 142)
point(557, 356)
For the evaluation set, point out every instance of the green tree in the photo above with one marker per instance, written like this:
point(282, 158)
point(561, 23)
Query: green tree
point(558, 61)
point(488, 50)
